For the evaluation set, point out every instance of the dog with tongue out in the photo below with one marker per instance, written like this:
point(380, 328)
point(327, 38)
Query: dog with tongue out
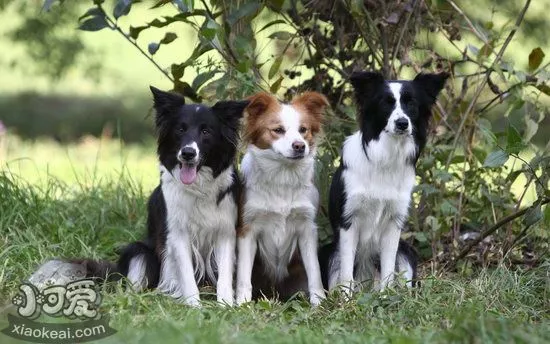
point(193, 212)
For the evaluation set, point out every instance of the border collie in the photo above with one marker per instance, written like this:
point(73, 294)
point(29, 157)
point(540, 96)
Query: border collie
point(193, 213)
point(279, 198)
point(371, 190)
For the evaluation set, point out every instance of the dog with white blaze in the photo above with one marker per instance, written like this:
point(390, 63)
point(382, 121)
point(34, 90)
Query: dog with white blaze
point(277, 244)
point(192, 214)
point(371, 190)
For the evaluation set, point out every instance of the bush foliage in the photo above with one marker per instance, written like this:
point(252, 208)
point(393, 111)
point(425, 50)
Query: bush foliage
point(481, 171)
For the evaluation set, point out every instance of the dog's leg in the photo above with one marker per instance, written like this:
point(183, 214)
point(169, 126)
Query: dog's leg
point(181, 248)
point(247, 246)
point(225, 260)
point(389, 242)
point(347, 249)
point(307, 241)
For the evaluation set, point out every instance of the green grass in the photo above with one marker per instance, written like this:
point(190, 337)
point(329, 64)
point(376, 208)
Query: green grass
point(60, 215)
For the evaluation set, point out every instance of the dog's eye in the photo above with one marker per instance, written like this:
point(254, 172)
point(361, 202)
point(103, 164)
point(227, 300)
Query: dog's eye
point(279, 130)
point(390, 100)
point(205, 131)
point(302, 130)
point(182, 129)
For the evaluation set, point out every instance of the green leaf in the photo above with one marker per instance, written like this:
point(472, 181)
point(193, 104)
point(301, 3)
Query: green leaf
point(135, 31)
point(275, 22)
point(202, 78)
point(535, 58)
point(432, 223)
point(168, 38)
point(514, 142)
point(177, 70)
point(242, 12)
point(547, 215)
point(533, 215)
point(496, 159)
point(531, 128)
point(447, 208)
point(282, 35)
point(243, 66)
point(276, 85)
point(94, 23)
point(184, 89)
point(276, 5)
point(161, 3)
point(153, 48)
point(122, 8)
point(94, 11)
point(275, 67)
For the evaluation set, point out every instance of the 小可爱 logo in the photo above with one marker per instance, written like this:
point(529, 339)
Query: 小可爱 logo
point(78, 301)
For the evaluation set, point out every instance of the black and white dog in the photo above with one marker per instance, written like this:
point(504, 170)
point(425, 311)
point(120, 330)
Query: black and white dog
point(371, 190)
point(192, 214)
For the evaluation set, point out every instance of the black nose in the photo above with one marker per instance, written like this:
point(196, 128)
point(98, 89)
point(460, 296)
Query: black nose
point(299, 147)
point(402, 123)
point(188, 153)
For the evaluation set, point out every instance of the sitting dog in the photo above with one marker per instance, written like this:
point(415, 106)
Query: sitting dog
point(192, 214)
point(278, 238)
point(371, 190)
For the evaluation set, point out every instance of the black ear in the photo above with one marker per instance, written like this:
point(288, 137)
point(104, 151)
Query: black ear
point(431, 84)
point(230, 111)
point(364, 82)
point(164, 102)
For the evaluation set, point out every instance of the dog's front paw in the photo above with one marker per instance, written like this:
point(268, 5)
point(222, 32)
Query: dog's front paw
point(244, 295)
point(316, 297)
point(192, 301)
point(225, 299)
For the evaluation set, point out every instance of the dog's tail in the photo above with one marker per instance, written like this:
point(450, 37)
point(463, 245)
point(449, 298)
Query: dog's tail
point(407, 263)
point(64, 271)
point(138, 262)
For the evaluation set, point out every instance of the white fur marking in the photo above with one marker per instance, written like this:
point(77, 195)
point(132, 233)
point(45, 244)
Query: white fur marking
point(136, 273)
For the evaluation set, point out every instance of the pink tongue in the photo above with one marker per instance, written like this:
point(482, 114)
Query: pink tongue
point(188, 174)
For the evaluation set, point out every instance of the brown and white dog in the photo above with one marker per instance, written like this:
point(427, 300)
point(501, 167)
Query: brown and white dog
point(280, 198)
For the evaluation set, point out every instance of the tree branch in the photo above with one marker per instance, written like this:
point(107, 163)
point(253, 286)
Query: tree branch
point(464, 252)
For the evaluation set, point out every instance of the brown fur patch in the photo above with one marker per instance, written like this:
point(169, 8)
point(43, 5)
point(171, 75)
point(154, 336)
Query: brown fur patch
point(261, 117)
point(311, 106)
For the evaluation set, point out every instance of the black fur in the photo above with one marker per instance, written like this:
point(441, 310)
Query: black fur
point(375, 103)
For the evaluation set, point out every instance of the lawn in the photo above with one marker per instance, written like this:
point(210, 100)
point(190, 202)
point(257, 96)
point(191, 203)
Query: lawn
point(88, 199)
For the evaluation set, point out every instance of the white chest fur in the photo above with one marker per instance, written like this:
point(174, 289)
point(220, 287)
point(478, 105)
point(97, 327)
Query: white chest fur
point(192, 212)
point(280, 200)
point(378, 183)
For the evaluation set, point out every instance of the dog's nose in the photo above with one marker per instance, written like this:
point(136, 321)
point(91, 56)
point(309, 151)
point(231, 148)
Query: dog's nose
point(402, 123)
point(188, 153)
point(299, 146)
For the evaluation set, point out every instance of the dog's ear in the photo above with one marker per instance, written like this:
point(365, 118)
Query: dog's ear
point(230, 111)
point(364, 83)
point(259, 103)
point(165, 103)
point(430, 85)
point(315, 103)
